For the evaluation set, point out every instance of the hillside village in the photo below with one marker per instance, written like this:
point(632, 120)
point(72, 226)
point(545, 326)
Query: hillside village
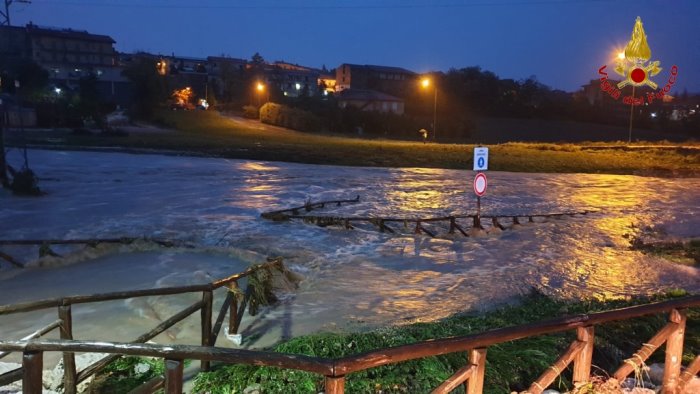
point(70, 56)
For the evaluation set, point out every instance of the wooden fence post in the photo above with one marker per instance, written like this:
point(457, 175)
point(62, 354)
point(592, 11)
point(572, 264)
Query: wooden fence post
point(173, 376)
point(207, 299)
point(690, 371)
point(475, 384)
point(674, 353)
point(582, 362)
point(69, 372)
point(33, 364)
point(233, 309)
point(335, 385)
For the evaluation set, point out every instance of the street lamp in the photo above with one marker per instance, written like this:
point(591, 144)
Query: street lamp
point(621, 58)
point(425, 83)
point(261, 88)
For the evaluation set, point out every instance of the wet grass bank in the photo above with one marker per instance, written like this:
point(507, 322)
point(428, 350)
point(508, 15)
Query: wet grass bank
point(511, 366)
point(210, 134)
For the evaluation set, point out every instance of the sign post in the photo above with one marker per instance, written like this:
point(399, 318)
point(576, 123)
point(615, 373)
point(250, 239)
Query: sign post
point(480, 184)
point(481, 163)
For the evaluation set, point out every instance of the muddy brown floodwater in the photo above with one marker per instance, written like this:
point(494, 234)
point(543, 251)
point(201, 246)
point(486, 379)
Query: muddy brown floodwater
point(353, 280)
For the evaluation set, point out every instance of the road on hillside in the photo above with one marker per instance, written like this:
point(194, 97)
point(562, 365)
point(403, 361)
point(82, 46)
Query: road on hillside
point(254, 123)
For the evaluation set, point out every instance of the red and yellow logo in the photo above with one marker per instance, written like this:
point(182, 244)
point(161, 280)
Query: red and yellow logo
point(635, 65)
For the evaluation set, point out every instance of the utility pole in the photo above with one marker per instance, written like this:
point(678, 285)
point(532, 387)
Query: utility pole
point(6, 14)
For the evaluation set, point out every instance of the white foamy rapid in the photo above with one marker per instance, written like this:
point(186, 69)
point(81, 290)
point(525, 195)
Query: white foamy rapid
point(352, 279)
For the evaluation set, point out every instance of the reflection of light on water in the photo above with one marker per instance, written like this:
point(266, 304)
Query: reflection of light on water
point(257, 166)
point(419, 190)
point(610, 192)
point(364, 277)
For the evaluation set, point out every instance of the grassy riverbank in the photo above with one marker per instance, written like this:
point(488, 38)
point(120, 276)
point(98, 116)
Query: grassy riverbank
point(210, 134)
point(511, 366)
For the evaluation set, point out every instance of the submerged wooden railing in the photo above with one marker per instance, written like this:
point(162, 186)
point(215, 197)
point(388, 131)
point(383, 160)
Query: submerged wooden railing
point(471, 375)
point(418, 225)
point(72, 377)
point(44, 244)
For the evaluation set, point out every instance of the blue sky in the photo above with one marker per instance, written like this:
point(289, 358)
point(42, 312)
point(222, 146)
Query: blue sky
point(561, 42)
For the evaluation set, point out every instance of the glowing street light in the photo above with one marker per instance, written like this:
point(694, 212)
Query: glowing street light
point(425, 83)
point(260, 87)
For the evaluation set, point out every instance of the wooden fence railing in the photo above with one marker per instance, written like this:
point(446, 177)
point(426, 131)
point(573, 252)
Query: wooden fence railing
point(64, 323)
point(418, 225)
point(45, 244)
point(471, 375)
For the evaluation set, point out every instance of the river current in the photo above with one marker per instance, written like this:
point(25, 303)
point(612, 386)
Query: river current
point(352, 279)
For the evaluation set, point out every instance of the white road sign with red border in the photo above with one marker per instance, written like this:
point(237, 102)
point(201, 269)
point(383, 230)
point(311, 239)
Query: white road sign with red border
point(480, 184)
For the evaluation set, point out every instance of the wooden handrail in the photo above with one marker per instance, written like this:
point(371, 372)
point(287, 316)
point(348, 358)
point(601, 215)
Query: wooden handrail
point(382, 222)
point(690, 371)
point(124, 240)
point(232, 278)
point(208, 334)
point(354, 363)
point(178, 317)
point(638, 358)
point(176, 352)
point(442, 346)
point(308, 207)
point(556, 369)
point(119, 295)
point(335, 369)
point(439, 218)
point(38, 333)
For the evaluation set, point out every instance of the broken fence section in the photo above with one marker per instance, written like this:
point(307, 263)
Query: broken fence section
point(45, 245)
point(455, 223)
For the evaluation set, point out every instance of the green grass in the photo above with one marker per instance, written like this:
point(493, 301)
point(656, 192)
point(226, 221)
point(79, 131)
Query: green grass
point(208, 133)
point(510, 366)
point(686, 253)
point(125, 374)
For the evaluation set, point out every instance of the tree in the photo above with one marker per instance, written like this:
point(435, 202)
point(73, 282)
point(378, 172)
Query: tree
point(33, 80)
point(89, 103)
point(149, 88)
point(257, 60)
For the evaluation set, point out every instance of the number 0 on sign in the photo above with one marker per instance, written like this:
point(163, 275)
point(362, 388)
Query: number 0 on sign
point(480, 184)
point(481, 159)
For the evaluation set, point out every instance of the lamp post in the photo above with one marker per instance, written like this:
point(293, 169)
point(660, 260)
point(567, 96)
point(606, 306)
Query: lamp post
point(260, 87)
point(426, 84)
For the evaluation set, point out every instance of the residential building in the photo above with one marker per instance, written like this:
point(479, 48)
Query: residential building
point(370, 100)
point(69, 55)
point(391, 80)
point(14, 42)
point(222, 70)
point(55, 46)
point(292, 79)
point(327, 81)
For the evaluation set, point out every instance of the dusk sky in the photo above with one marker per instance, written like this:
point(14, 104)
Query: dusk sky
point(561, 42)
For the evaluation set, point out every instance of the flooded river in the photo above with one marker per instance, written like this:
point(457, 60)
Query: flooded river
point(353, 279)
